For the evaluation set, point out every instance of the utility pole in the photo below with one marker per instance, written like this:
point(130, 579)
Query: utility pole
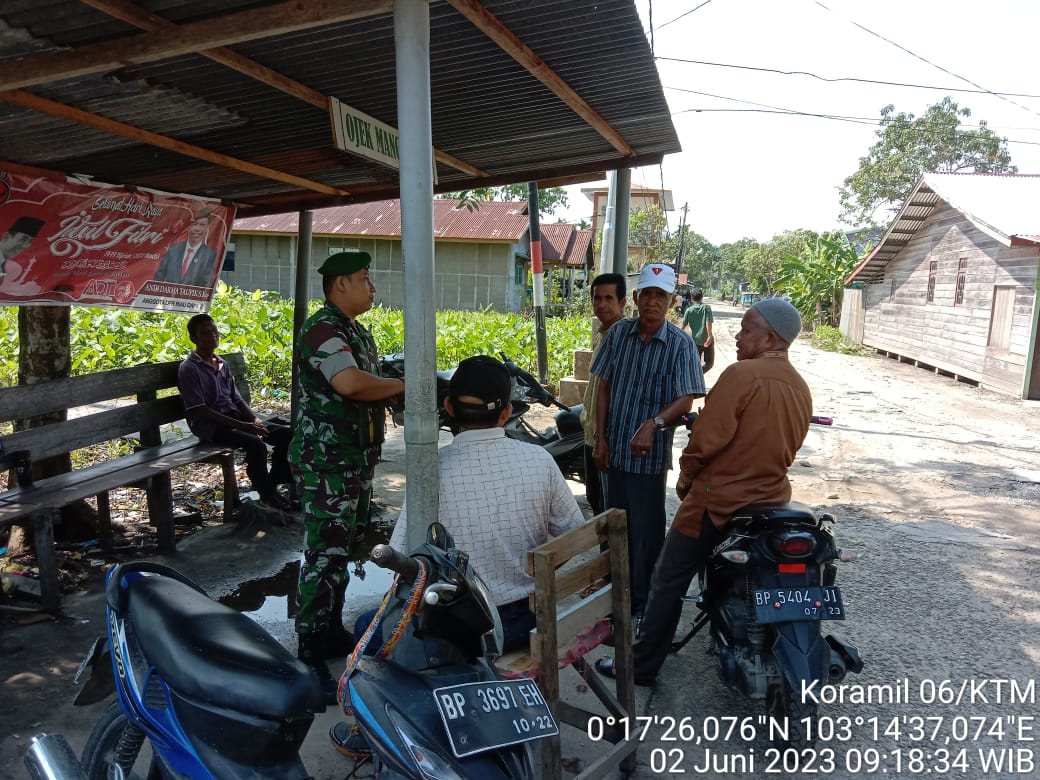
point(537, 282)
point(682, 240)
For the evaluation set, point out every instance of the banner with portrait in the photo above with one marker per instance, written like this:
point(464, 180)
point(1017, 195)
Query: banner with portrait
point(65, 242)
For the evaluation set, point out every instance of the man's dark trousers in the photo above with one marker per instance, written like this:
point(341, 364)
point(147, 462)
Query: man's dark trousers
point(681, 558)
point(707, 354)
point(255, 450)
point(642, 498)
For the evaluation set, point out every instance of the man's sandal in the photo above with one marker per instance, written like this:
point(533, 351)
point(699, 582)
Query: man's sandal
point(605, 666)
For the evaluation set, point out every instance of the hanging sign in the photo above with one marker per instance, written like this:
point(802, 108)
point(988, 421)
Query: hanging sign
point(67, 242)
point(358, 133)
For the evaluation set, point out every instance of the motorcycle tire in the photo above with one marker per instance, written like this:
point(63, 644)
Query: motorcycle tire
point(115, 740)
point(785, 706)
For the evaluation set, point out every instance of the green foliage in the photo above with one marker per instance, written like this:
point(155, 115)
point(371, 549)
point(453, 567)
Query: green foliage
point(259, 325)
point(908, 147)
point(548, 200)
point(832, 340)
point(762, 263)
point(648, 229)
point(814, 278)
point(731, 257)
point(701, 259)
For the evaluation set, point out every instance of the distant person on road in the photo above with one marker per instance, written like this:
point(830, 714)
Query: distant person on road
point(216, 412)
point(742, 444)
point(192, 261)
point(608, 304)
point(648, 375)
point(698, 321)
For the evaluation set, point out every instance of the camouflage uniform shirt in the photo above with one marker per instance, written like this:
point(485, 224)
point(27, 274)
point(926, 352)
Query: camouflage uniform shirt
point(334, 433)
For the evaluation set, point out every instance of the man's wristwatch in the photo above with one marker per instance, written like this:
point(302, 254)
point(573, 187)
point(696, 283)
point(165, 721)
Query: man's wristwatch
point(659, 422)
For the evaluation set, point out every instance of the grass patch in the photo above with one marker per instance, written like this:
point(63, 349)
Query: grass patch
point(832, 340)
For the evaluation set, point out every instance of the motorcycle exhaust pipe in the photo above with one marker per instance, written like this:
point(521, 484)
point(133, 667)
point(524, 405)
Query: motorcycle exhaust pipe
point(49, 757)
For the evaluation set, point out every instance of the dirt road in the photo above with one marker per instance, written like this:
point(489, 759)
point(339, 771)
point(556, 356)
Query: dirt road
point(936, 486)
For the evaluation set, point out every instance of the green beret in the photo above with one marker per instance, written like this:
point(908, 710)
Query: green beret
point(345, 263)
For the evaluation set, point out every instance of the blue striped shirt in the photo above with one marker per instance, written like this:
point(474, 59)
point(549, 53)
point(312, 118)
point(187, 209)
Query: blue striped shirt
point(645, 377)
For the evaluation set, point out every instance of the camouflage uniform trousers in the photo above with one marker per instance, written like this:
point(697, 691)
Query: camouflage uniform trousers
point(336, 507)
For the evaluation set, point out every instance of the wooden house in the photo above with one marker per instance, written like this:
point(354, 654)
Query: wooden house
point(952, 286)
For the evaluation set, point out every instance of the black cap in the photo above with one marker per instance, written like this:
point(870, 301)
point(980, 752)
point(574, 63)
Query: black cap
point(480, 377)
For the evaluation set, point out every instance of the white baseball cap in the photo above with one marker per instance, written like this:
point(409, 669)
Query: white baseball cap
point(657, 275)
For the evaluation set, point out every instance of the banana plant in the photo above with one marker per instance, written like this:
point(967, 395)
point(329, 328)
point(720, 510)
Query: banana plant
point(815, 278)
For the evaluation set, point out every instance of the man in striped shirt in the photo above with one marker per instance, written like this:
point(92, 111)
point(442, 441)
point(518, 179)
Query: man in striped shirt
point(649, 373)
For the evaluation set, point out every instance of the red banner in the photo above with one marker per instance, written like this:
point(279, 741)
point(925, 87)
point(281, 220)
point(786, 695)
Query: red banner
point(66, 242)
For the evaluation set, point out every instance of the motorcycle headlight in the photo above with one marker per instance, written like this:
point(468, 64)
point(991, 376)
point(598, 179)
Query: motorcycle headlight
point(431, 764)
point(493, 640)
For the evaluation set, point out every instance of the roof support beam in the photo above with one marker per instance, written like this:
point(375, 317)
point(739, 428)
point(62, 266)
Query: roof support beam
point(62, 111)
point(272, 20)
point(488, 24)
point(139, 17)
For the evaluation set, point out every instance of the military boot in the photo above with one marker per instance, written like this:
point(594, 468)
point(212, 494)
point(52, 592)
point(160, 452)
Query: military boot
point(312, 652)
point(338, 641)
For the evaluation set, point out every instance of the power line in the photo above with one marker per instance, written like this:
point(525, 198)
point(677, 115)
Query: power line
point(850, 119)
point(979, 91)
point(680, 16)
point(927, 61)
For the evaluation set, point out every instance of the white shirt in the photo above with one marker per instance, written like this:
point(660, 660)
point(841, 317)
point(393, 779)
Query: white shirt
point(499, 499)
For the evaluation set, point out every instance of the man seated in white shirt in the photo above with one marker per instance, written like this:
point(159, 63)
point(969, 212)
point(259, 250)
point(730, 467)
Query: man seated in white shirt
point(499, 497)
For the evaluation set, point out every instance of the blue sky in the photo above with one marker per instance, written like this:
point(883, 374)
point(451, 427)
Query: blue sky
point(750, 169)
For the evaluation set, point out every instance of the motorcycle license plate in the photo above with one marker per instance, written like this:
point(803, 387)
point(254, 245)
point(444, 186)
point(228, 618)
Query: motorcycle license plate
point(791, 605)
point(488, 715)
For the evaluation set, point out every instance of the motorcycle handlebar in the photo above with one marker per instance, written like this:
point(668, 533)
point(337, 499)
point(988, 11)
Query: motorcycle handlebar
point(386, 557)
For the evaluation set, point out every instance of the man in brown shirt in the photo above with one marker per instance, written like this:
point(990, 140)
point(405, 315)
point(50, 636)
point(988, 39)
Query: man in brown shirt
point(754, 420)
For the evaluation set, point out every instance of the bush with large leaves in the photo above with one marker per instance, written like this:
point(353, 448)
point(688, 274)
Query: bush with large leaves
point(815, 277)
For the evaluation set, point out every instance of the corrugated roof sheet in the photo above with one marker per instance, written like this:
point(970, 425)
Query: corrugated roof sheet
point(564, 243)
point(487, 109)
point(1001, 205)
point(492, 221)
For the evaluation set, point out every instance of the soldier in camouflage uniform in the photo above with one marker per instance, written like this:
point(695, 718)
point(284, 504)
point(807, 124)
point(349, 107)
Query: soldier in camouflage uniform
point(335, 446)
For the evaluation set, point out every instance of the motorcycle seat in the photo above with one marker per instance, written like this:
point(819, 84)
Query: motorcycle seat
point(773, 512)
point(211, 653)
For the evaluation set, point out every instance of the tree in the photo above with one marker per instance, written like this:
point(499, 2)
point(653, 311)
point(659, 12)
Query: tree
point(548, 200)
point(701, 259)
point(761, 263)
point(814, 278)
point(731, 257)
point(908, 147)
point(648, 229)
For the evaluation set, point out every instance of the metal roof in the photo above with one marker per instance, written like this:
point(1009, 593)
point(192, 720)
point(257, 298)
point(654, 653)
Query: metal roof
point(1003, 206)
point(521, 90)
point(564, 243)
point(492, 221)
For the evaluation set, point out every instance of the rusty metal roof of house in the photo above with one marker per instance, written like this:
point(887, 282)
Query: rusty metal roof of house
point(1003, 206)
point(229, 99)
point(566, 244)
point(492, 221)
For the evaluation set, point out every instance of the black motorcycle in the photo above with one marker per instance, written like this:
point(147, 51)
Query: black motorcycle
point(766, 589)
point(431, 703)
point(564, 441)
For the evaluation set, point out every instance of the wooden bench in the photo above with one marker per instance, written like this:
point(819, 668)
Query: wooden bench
point(570, 623)
point(148, 467)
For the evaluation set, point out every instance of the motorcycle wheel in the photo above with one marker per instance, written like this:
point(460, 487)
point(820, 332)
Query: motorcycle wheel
point(784, 705)
point(113, 749)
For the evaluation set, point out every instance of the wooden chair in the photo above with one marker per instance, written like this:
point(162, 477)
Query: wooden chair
point(568, 626)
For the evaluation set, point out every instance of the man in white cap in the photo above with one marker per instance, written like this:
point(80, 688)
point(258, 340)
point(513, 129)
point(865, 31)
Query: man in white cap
point(649, 373)
point(754, 420)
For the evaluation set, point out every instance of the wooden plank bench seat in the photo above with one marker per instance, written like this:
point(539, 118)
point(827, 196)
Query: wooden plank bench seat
point(148, 467)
